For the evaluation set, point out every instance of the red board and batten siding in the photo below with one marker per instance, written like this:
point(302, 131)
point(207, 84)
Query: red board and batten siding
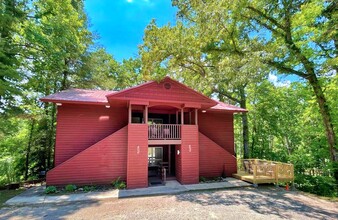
point(137, 159)
point(214, 160)
point(100, 163)
point(219, 128)
point(187, 162)
point(80, 126)
point(217, 134)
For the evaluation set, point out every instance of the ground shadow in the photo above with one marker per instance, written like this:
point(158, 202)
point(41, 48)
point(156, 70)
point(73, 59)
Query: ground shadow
point(45, 211)
point(264, 200)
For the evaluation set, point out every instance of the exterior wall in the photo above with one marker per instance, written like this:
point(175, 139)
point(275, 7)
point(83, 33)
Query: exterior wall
point(100, 163)
point(156, 91)
point(214, 160)
point(178, 163)
point(187, 165)
point(137, 165)
point(219, 128)
point(80, 126)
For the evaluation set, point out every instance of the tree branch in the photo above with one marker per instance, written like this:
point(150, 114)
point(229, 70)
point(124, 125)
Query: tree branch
point(272, 20)
point(223, 93)
point(283, 68)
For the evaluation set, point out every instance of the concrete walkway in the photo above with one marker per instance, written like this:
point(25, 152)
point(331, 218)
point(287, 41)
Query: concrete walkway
point(36, 195)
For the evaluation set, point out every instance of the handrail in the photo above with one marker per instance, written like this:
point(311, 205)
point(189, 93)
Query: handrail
point(164, 132)
point(268, 169)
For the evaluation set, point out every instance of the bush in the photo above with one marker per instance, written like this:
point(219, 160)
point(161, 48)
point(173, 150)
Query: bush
point(89, 188)
point(118, 184)
point(50, 190)
point(320, 185)
point(203, 179)
point(70, 188)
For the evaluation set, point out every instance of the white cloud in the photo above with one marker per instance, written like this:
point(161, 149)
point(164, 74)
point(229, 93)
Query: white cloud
point(139, 1)
point(278, 83)
point(273, 78)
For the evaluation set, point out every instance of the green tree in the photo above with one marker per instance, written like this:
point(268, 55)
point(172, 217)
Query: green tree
point(292, 37)
point(12, 14)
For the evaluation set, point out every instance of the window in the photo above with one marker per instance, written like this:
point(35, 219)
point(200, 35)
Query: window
point(155, 156)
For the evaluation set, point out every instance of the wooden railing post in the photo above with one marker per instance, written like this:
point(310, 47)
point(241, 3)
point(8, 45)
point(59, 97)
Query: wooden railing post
point(277, 173)
point(255, 175)
point(164, 175)
point(164, 131)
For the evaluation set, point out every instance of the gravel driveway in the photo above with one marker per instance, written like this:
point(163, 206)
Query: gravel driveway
point(240, 203)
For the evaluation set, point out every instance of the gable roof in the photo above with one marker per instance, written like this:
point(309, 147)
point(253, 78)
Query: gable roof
point(100, 97)
point(79, 96)
point(221, 106)
point(167, 90)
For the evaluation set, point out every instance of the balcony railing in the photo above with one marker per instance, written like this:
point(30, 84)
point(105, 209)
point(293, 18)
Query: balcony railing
point(164, 132)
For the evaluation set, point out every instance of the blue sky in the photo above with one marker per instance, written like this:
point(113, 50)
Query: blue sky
point(121, 23)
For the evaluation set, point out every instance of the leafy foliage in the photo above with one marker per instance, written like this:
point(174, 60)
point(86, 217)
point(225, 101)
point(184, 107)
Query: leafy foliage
point(118, 184)
point(70, 188)
point(50, 190)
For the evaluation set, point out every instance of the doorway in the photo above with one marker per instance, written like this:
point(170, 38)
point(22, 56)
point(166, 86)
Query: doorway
point(160, 157)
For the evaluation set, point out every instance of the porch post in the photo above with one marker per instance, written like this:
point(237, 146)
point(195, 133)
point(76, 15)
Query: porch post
point(129, 114)
point(182, 116)
point(169, 159)
point(176, 117)
point(145, 114)
point(196, 116)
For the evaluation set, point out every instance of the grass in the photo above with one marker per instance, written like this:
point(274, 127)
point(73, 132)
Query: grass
point(7, 194)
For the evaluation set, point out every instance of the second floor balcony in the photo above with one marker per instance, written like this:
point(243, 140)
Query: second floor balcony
point(164, 132)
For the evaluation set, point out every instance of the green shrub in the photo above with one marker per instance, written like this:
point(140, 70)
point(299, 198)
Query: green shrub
point(89, 188)
point(118, 184)
point(50, 190)
point(70, 188)
point(203, 179)
point(320, 185)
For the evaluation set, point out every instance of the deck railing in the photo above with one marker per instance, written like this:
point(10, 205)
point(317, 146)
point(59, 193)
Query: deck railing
point(266, 171)
point(164, 132)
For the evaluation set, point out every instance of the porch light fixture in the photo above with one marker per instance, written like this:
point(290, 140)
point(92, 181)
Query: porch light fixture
point(204, 111)
point(59, 104)
point(107, 106)
point(178, 152)
point(138, 149)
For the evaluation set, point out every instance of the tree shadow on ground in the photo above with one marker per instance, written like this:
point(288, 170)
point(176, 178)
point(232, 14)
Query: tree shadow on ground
point(45, 211)
point(266, 200)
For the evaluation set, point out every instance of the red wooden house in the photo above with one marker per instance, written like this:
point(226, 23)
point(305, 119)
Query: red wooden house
point(103, 135)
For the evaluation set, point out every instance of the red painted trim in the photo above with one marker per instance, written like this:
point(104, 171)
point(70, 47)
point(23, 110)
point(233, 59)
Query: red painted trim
point(225, 110)
point(73, 102)
point(138, 102)
point(153, 104)
point(153, 100)
point(192, 105)
point(131, 88)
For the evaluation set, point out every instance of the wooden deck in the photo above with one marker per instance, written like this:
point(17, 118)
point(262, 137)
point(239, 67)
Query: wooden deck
point(263, 171)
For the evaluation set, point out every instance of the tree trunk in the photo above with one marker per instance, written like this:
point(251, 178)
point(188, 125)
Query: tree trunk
point(327, 119)
point(29, 149)
point(51, 138)
point(245, 124)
